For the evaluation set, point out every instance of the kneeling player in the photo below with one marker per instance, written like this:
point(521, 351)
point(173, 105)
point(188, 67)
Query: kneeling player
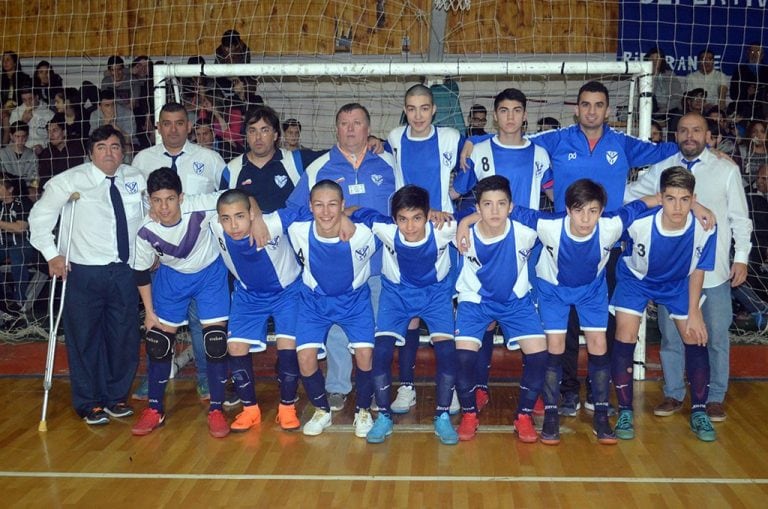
point(190, 268)
point(665, 262)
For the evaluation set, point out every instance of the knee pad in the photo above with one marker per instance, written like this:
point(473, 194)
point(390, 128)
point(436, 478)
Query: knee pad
point(159, 344)
point(215, 342)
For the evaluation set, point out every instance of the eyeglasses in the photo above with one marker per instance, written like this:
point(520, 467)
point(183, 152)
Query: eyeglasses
point(264, 131)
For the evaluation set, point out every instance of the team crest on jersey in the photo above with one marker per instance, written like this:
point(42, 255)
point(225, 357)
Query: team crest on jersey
point(377, 179)
point(339, 180)
point(698, 251)
point(611, 156)
point(273, 243)
point(607, 249)
point(571, 156)
point(361, 252)
point(132, 187)
point(198, 167)
point(158, 250)
point(448, 159)
point(281, 180)
point(539, 168)
point(525, 253)
point(246, 182)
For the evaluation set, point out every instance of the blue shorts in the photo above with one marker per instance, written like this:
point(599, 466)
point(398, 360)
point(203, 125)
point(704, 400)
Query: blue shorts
point(518, 320)
point(250, 312)
point(172, 292)
point(632, 295)
point(590, 300)
point(352, 312)
point(399, 303)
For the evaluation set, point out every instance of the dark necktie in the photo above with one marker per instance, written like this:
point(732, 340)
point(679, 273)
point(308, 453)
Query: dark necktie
point(122, 223)
point(689, 164)
point(173, 160)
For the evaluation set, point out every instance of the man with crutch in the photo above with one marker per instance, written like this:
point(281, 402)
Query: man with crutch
point(100, 314)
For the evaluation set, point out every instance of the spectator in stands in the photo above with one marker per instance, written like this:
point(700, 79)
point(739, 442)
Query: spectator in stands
point(227, 121)
point(667, 89)
point(61, 154)
point(657, 132)
point(11, 80)
point(89, 100)
point(706, 77)
point(547, 124)
point(202, 134)
point(244, 96)
point(19, 162)
point(110, 112)
point(729, 135)
point(232, 49)
point(749, 84)
point(46, 82)
point(14, 241)
point(693, 101)
point(142, 89)
point(752, 152)
point(477, 119)
point(117, 81)
point(67, 102)
point(292, 134)
point(36, 115)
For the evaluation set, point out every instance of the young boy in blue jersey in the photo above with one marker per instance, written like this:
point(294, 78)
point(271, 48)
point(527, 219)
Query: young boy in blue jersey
point(416, 283)
point(665, 260)
point(266, 284)
point(493, 285)
point(190, 268)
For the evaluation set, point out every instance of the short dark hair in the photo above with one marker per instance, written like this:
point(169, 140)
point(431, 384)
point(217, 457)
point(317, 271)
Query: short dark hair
point(493, 183)
point(349, 107)
point(704, 52)
point(19, 125)
point(163, 178)
point(266, 114)
point(409, 197)
point(232, 196)
point(658, 51)
point(103, 133)
point(7, 181)
point(326, 184)
point(172, 107)
point(115, 60)
point(678, 177)
point(419, 89)
point(550, 121)
point(106, 94)
point(510, 94)
point(477, 108)
point(594, 86)
point(584, 191)
point(291, 122)
point(60, 120)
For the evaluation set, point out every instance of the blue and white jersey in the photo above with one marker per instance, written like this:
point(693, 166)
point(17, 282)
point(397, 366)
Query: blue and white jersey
point(188, 246)
point(656, 255)
point(428, 162)
point(495, 268)
point(526, 167)
point(267, 270)
point(413, 264)
point(571, 261)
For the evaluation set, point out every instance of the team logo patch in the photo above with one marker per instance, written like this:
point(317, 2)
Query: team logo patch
point(698, 251)
point(198, 167)
point(246, 182)
point(525, 253)
point(361, 252)
point(539, 168)
point(281, 180)
point(572, 156)
point(339, 180)
point(273, 243)
point(132, 187)
point(377, 179)
point(448, 159)
point(611, 156)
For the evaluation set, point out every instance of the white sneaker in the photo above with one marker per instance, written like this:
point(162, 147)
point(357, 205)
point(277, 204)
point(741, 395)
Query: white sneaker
point(455, 405)
point(319, 421)
point(406, 398)
point(363, 423)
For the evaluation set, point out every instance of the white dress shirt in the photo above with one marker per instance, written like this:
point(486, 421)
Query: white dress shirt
point(198, 168)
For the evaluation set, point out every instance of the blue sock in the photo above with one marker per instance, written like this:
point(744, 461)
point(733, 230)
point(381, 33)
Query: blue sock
point(217, 382)
point(622, 358)
point(383, 352)
point(407, 356)
point(697, 369)
point(532, 381)
point(363, 389)
point(157, 379)
point(599, 372)
point(288, 375)
point(483, 362)
point(552, 378)
point(465, 379)
point(445, 378)
point(241, 367)
point(314, 386)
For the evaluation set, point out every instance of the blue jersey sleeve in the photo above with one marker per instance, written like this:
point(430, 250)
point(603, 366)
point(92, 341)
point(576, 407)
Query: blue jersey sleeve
point(368, 217)
point(707, 258)
point(298, 161)
point(308, 157)
point(642, 153)
point(300, 195)
point(225, 176)
point(629, 212)
point(465, 181)
point(477, 138)
point(547, 140)
point(290, 215)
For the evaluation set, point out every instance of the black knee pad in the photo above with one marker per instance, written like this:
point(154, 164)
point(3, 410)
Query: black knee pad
point(215, 342)
point(159, 344)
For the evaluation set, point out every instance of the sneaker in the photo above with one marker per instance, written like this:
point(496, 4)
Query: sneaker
point(525, 430)
point(601, 427)
point(716, 412)
point(363, 423)
point(550, 431)
point(217, 424)
point(569, 405)
point(202, 389)
point(455, 407)
point(119, 410)
point(702, 426)
point(142, 391)
point(406, 398)
point(382, 428)
point(336, 400)
point(589, 406)
point(96, 417)
point(625, 429)
point(667, 407)
point(148, 421)
point(538, 408)
point(286, 417)
point(482, 397)
point(444, 430)
point(319, 421)
point(231, 399)
point(468, 426)
point(245, 420)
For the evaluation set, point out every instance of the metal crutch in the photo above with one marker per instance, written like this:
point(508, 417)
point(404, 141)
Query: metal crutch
point(53, 324)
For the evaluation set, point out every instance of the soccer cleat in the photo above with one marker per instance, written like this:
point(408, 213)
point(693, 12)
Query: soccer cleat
point(538, 408)
point(405, 399)
point(119, 410)
point(336, 401)
point(148, 421)
point(601, 427)
point(444, 430)
point(245, 420)
point(569, 405)
point(217, 424)
point(481, 399)
point(363, 423)
point(550, 431)
point(202, 389)
point(625, 430)
point(668, 407)
point(142, 391)
point(716, 412)
point(702, 426)
point(96, 417)
point(468, 426)
point(319, 421)
point(382, 428)
point(286, 417)
point(455, 407)
point(525, 430)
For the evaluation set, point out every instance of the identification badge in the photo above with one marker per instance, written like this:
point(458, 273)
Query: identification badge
point(356, 188)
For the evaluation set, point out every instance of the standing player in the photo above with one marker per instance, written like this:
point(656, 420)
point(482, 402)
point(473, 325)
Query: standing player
point(190, 269)
point(667, 255)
